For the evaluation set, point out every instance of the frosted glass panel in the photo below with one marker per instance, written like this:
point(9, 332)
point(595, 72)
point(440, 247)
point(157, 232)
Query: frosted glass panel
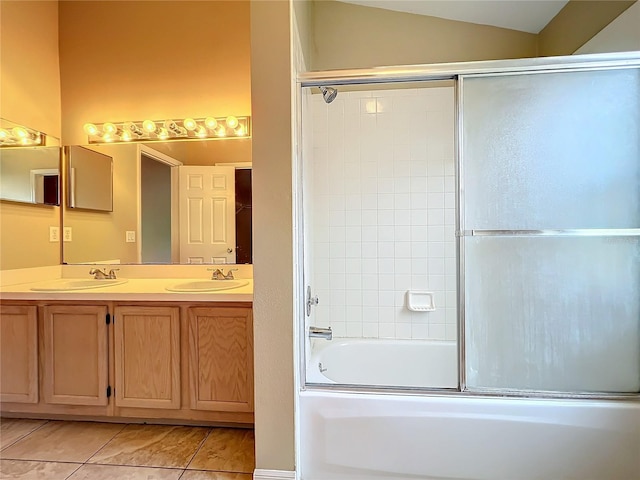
point(553, 313)
point(552, 150)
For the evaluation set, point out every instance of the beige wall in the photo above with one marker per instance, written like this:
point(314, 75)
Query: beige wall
point(29, 71)
point(303, 15)
point(100, 236)
point(29, 95)
point(154, 59)
point(576, 23)
point(272, 237)
point(352, 36)
point(621, 35)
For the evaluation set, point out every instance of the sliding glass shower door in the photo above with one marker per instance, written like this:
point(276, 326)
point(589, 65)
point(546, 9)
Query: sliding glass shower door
point(550, 230)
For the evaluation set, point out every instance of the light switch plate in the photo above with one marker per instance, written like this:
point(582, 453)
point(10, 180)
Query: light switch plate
point(54, 234)
point(67, 234)
point(131, 236)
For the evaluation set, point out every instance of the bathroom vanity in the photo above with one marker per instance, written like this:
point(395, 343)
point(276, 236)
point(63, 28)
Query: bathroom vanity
point(129, 351)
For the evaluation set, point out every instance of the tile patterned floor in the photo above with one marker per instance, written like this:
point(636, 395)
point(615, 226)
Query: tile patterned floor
point(57, 450)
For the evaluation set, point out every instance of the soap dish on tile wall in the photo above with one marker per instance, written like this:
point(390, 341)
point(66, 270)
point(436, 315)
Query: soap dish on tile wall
point(420, 301)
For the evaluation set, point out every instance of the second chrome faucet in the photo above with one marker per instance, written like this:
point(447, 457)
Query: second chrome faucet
point(219, 274)
point(101, 274)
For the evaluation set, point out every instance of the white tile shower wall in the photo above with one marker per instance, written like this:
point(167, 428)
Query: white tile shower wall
point(384, 212)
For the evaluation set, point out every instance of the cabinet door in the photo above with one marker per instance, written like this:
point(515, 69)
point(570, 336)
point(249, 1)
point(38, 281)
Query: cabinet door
point(76, 365)
point(147, 357)
point(18, 354)
point(221, 359)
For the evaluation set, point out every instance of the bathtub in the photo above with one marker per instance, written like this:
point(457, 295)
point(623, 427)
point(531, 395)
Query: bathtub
point(345, 435)
point(407, 363)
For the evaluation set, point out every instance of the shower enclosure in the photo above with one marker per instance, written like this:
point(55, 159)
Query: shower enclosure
point(471, 251)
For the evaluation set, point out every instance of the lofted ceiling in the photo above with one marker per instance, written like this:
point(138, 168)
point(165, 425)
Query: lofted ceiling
point(524, 15)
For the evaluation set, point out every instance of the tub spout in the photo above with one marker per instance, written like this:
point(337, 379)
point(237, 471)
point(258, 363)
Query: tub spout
point(320, 332)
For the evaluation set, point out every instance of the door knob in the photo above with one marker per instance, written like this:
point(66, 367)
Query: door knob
point(229, 250)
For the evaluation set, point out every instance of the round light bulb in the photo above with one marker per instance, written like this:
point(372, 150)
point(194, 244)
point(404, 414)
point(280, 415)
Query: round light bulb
point(163, 133)
point(221, 132)
point(240, 131)
point(90, 129)
point(126, 137)
point(109, 128)
point(149, 126)
point(107, 137)
point(232, 122)
point(4, 134)
point(211, 123)
point(190, 124)
point(20, 132)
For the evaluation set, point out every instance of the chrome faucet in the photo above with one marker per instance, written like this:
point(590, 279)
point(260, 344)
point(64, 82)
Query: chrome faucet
point(320, 332)
point(101, 274)
point(219, 274)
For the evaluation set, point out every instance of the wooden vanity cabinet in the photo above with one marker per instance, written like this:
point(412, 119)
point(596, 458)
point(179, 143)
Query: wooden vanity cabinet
point(221, 359)
point(18, 354)
point(147, 356)
point(75, 355)
point(160, 361)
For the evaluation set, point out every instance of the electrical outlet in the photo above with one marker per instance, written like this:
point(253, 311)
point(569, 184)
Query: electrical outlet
point(131, 236)
point(54, 234)
point(67, 234)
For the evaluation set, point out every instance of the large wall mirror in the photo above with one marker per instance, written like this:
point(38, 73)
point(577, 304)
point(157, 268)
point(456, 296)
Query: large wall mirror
point(177, 202)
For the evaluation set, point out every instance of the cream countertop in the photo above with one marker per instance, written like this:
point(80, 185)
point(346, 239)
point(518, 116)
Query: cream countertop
point(135, 289)
point(144, 283)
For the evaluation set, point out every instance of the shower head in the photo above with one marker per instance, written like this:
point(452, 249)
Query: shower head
point(329, 94)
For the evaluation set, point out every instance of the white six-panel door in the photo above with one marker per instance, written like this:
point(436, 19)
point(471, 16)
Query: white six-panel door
point(207, 214)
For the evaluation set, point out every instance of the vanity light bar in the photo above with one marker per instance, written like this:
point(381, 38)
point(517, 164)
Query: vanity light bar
point(19, 136)
point(162, 130)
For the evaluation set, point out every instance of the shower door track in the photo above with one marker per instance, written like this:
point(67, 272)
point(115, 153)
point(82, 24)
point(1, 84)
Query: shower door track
point(449, 71)
point(458, 393)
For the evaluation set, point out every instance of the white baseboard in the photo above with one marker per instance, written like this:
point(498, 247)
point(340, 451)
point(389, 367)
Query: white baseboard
point(260, 474)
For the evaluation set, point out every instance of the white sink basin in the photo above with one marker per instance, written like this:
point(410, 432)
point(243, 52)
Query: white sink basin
point(79, 284)
point(206, 285)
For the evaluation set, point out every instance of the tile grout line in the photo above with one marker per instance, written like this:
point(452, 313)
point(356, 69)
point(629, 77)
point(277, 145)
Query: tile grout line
point(206, 437)
point(22, 437)
point(219, 470)
point(107, 442)
point(133, 466)
point(74, 472)
point(182, 474)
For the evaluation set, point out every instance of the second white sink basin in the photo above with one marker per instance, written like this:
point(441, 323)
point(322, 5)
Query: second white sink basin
point(206, 285)
point(77, 284)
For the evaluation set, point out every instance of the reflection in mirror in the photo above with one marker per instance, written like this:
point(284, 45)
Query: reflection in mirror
point(29, 165)
point(89, 179)
point(173, 202)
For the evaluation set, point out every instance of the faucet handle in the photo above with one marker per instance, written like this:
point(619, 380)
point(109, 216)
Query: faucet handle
point(97, 273)
point(229, 275)
point(112, 273)
point(217, 273)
